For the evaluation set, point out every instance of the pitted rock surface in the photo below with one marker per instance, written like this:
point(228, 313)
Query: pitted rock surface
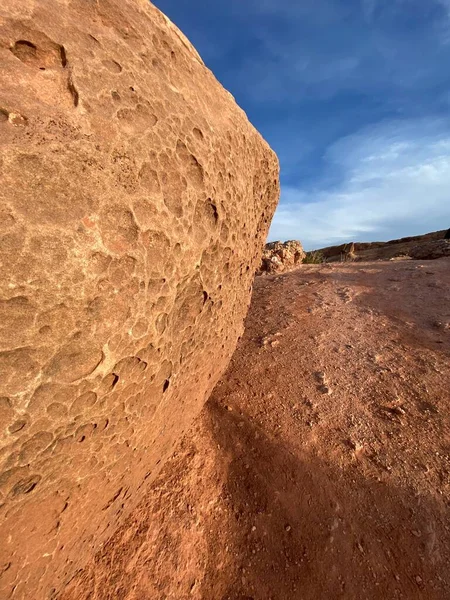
point(135, 201)
point(281, 256)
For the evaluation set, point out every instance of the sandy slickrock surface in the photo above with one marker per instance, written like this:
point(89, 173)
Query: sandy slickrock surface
point(320, 467)
point(135, 200)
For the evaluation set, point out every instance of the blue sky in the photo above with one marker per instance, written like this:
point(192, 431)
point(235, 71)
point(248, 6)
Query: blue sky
point(353, 95)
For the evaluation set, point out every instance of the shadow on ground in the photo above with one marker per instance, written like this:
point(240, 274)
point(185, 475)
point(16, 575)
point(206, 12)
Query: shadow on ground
point(299, 529)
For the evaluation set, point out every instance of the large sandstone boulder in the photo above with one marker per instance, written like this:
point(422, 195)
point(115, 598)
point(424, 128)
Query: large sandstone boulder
point(281, 256)
point(135, 201)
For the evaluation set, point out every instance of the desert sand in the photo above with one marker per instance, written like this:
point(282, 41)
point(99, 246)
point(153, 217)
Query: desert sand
point(320, 466)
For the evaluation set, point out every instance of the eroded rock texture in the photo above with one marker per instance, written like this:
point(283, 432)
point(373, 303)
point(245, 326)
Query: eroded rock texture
point(135, 200)
point(281, 256)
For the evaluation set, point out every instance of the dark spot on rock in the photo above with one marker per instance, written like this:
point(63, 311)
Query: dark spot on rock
point(17, 426)
point(62, 53)
point(25, 486)
point(73, 91)
point(113, 499)
point(213, 210)
point(198, 133)
point(24, 50)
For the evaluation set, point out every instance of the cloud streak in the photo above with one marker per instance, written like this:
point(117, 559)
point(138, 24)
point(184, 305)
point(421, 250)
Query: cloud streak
point(395, 181)
point(354, 97)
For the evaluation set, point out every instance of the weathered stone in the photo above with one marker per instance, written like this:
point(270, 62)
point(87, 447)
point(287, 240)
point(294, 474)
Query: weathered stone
point(281, 256)
point(135, 200)
point(431, 250)
point(367, 251)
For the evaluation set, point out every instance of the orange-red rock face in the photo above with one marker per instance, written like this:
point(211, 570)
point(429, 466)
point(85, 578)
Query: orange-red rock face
point(135, 200)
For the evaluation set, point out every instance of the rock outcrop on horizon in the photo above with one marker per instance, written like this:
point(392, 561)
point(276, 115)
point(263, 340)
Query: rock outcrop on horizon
point(136, 198)
point(431, 250)
point(363, 251)
point(281, 256)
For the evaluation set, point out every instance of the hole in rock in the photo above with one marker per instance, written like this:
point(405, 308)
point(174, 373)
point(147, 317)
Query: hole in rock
point(73, 92)
point(214, 210)
point(62, 53)
point(26, 485)
point(17, 426)
point(198, 133)
point(24, 50)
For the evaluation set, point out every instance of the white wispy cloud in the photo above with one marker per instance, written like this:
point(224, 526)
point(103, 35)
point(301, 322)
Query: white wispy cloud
point(310, 72)
point(394, 177)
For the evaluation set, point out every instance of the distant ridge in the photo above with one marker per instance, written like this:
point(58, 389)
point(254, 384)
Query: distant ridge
point(379, 250)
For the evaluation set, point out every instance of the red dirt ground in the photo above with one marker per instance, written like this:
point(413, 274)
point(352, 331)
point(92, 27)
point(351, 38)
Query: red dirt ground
point(320, 467)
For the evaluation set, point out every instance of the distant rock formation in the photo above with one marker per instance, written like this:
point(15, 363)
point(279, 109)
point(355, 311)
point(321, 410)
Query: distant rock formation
point(362, 251)
point(135, 201)
point(431, 250)
point(349, 253)
point(281, 256)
